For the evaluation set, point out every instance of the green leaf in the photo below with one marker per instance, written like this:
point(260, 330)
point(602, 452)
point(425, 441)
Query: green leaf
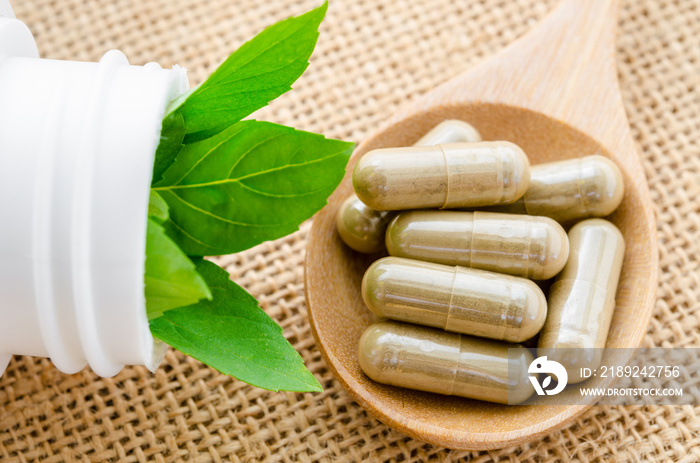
point(253, 182)
point(258, 72)
point(157, 207)
point(172, 133)
point(170, 277)
point(234, 335)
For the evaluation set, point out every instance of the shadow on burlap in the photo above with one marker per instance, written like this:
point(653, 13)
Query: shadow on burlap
point(372, 56)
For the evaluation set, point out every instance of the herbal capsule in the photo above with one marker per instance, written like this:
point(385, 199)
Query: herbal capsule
point(591, 186)
point(531, 247)
point(450, 131)
point(582, 298)
point(442, 176)
point(458, 299)
point(361, 227)
point(417, 357)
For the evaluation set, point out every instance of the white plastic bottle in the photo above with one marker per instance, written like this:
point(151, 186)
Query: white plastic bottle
point(77, 142)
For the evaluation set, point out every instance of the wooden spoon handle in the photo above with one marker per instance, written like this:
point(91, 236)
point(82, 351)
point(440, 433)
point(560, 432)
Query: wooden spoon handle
point(564, 67)
point(567, 61)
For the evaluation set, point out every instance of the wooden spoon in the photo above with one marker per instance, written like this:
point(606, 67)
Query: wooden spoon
point(555, 93)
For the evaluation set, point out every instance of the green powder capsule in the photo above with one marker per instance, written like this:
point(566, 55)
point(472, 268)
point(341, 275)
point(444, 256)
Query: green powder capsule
point(448, 176)
point(582, 298)
point(525, 246)
point(591, 186)
point(450, 131)
point(361, 227)
point(417, 357)
point(458, 299)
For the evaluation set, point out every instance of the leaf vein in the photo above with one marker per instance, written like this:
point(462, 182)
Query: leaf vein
point(244, 177)
point(223, 219)
point(182, 230)
point(251, 59)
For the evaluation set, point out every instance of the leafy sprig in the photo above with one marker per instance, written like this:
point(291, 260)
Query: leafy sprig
point(257, 73)
point(254, 181)
point(222, 185)
point(233, 334)
point(171, 280)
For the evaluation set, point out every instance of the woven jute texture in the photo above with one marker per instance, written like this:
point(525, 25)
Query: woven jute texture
point(372, 56)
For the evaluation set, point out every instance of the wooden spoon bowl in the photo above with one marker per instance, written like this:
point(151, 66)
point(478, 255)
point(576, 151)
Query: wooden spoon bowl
point(555, 94)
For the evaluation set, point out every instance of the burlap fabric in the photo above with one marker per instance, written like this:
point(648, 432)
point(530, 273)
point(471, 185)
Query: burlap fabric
point(372, 57)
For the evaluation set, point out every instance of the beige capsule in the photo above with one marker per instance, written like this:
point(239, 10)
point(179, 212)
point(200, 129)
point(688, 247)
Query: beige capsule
point(525, 246)
point(360, 227)
point(458, 299)
point(582, 298)
point(591, 186)
point(450, 131)
point(418, 357)
point(442, 176)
